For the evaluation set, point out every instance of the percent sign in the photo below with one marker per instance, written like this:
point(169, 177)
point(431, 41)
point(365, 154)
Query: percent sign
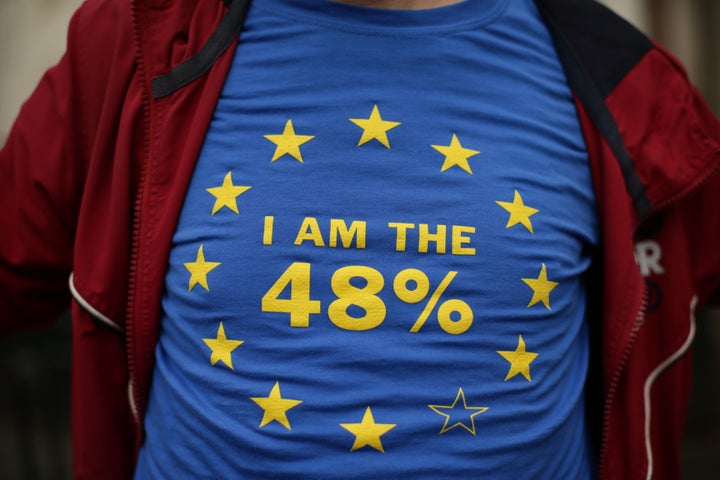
point(420, 291)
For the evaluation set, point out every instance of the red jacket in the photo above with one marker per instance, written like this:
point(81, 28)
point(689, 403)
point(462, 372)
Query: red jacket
point(94, 172)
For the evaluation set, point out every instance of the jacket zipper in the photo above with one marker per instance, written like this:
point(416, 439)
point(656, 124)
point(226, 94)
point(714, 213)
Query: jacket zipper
point(639, 320)
point(615, 379)
point(136, 231)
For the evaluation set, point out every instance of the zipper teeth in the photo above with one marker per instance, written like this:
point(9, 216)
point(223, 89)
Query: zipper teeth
point(612, 389)
point(639, 320)
point(137, 209)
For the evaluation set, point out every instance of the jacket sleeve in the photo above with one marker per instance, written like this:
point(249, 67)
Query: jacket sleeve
point(668, 125)
point(699, 207)
point(42, 170)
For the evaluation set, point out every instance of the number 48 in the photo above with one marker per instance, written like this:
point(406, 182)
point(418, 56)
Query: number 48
point(299, 304)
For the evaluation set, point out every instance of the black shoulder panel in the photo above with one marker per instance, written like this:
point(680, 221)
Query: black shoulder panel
point(597, 49)
point(606, 45)
point(194, 67)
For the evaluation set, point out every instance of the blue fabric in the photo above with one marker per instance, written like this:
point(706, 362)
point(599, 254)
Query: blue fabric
point(441, 334)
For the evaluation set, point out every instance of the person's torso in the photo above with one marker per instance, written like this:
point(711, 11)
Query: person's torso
point(378, 268)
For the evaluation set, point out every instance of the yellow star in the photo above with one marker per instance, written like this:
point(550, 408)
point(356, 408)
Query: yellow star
point(455, 155)
point(541, 287)
point(199, 270)
point(222, 347)
point(460, 411)
point(275, 407)
point(368, 432)
point(226, 195)
point(519, 212)
point(374, 128)
point(288, 142)
point(520, 360)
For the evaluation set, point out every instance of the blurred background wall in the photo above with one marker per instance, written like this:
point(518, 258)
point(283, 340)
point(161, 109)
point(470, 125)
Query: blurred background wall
point(34, 368)
point(32, 38)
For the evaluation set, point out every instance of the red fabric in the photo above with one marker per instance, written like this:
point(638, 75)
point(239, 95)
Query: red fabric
point(94, 173)
point(176, 128)
point(84, 155)
point(674, 140)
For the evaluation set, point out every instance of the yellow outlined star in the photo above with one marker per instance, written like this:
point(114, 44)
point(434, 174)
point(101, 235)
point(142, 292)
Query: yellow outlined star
point(199, 270)
point(455, 155)
point(226, 195)
point(374, 128)
point(519, 359)
point(288, 142)
point(519, 212)
point(367, 432)
point(460, 411)
point(541, 288)
point(275, 407)
point(222, 347)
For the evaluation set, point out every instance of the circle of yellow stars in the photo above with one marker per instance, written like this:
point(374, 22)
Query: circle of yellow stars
point(368, 432)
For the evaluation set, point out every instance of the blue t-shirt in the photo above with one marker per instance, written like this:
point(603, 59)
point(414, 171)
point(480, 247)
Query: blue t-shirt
point(378, 268)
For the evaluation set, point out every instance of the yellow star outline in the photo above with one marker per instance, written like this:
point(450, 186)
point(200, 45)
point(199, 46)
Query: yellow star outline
point(288, 142)
point(374, 128)
point(461, 411)
point(199, 270)
point(226, 195)
point(367, 432)
point(222, 347)
point(455, 155)
point(541, 288)
point(275, 407)
point(519, 212)
point(520, 360)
